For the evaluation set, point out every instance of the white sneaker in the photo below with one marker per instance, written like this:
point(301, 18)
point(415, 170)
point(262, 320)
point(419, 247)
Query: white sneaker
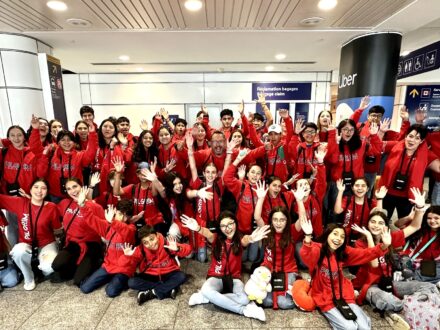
point(29, 286)
point(438, 285)
point(197, 299)
point(253, 311)
point(398, 322)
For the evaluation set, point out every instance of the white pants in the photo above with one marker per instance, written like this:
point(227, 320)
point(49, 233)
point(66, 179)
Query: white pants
point(21, 253)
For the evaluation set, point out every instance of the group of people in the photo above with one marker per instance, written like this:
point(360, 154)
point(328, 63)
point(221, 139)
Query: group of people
point(103, 207)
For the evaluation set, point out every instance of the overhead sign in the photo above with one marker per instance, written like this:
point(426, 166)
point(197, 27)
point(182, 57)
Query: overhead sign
point(427, 99)
point(282, 91)
point(419, 61)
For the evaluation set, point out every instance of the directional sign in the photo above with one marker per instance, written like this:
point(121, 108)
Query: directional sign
point(427, 99)
point(419, 61)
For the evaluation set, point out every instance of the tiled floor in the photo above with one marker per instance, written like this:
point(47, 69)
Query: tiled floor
point(63, 306)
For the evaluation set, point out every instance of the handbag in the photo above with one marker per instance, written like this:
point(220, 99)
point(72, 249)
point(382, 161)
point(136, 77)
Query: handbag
point(278, 278)
point(428, 268)
point(386, 283)
point(401, 179)
point(62, 237)
point(340, 303)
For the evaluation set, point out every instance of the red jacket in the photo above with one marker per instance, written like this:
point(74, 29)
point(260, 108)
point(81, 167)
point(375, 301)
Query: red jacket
point(144, 200)
point(229, 263)
point(289, 255)
point(48, 220)
point(77, 227)
point(321, 288)
point(116, 234)
point(284, 198)
point(171, 154)
point(154, 262)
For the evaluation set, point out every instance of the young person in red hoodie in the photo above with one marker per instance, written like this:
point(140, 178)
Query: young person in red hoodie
point(224, 287)
point(331, 291)
point(324, 121)
point(159, 273)
point(81, 252)
point(116, 229)
point(38, 224)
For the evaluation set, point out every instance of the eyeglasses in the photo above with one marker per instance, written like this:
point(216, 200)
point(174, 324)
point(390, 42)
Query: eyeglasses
point(228, 226)
point(375, 115)
point(311, 132)
point(348, 130)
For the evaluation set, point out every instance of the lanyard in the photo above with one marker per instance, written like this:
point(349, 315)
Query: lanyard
point(109, 242)
point(69, 167)
point(433, 238)
point(409, 164)
point(275, 162)
point(303, 152)
point(361, 223)
point(19, 167)
point(208, 218)
point(34, 228)
point(227, 270)
point(163, 162)
point(71, 220)
point(138, 195)
point(351, 161)
point(275, 259)
point(331, 279)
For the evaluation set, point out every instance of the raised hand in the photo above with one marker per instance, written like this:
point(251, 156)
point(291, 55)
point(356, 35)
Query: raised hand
point(143, 125)
point(35, 123)
point(23, 193)
point(284, 113)
point(320, 154)
point(404, 113)
point(340, 185)
point(189, 139)
point(419, 198)
point(291, 180)
point(386, 236)
point(128, 249)
point(109, 213)
point(374, 128)
point(95, 178)
point(261, 98)
point(242, 154)
point(231, 145)
point(137, 217)
point(381, 193)
point(364, 231)
point(241, 172)
point(306, 225)
point(259, 233)
point(420, 116)
point(148, 175)
point(171, 163)
point(299, 125)
point(261, 189)
point(82, 195)
point(300, 193)
point(240, 108)
point(189, 223)
point(172, 243)
point(153, 165)
point(365, 102)
point(122, 139)
point(164, 113)
point(203, 194)
point(385, 125)
point(118, 164)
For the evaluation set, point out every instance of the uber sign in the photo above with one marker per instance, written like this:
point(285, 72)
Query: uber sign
point(347, 80)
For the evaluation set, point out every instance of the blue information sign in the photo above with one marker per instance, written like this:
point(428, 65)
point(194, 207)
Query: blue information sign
point(419, 61)
point(282, 91)
point(426, 98)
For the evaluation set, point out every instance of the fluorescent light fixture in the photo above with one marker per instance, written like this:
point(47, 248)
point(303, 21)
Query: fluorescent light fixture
point(193, 5)
point(327, 4)
point(405, 52)
point(124, 58)
point(57, 5)
point(269, 68)
point(280, 57)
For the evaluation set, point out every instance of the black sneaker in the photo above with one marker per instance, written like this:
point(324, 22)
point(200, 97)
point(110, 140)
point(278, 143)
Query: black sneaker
point(173, 293)
point(144, 296)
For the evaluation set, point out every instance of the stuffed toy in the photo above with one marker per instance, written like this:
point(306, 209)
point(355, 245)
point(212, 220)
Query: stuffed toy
point(259, 284)
point(300, 291)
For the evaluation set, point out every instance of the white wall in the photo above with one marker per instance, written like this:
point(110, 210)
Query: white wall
point(139, 96)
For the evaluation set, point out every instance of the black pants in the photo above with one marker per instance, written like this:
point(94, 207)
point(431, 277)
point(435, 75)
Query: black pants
point(402, 204)
point(66, 260)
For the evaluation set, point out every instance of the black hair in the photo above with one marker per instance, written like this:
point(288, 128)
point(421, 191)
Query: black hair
point(125, 206)
point(77, 137)
point(308, 125)
point(425, 229)
point(19, 128)
point(243, 140)
point(54, 121)
point(198, 125)
point(180, 120)
point(86, 109)
point(63, 133)
point(41, 180)
point(101, 140)
point(48, 138)
point(377, 109)
point(164, 127)
point(420, 129)
point(146, 231)
point(361, 178)
point(168, 183)
point(355, 142)
point(220, 241)
point(325, 249)
point(200, 112)
point(258, 116)
point(286, 237)
point(122, 120)
point(226, 112)
point(143, 154)
point(74, 179)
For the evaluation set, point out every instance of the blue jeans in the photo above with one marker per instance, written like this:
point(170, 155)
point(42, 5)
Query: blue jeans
point(162, 287)
point(435, 197)
point(233, 302)
point(116, 282)
point(12, 228)
point(419, 277)
point(9, 276)
point(284, 300)
point(254, 253)
point(371, 178)
point(338, 322)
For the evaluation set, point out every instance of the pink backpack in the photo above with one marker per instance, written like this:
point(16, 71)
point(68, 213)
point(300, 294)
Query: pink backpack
point(422, 311)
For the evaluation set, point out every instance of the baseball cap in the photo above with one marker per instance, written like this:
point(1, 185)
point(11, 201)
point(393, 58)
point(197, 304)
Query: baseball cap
point(275, 128)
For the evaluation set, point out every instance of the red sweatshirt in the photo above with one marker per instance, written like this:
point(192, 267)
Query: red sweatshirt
point(144, 200)
point(116, 234)
point(154, 262)
point(360, 218)
point(74, 222)
point(284, 198)
point(289, 255)
point(48, 220)
point(62, 164)
point(167, 155)
point(321, 288)
point(229, 262)
point(246, 199)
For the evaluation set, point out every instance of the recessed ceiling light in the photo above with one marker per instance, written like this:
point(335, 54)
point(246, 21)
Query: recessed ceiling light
point(193, 5)
point(327, 4)
point(57, 5)
point(310, 21)
point(280, 57)
point(139, 69)
point(405, 52)
point(79, 22)
point(269, 68)
point(124, 58)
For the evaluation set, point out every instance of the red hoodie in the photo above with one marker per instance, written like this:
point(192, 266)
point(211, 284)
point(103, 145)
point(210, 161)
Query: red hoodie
point(229, 262)
point(116, 234)
point(284, 198)
point(289, 265)
point(154, 262)
point(321, 288)
point(48, 220)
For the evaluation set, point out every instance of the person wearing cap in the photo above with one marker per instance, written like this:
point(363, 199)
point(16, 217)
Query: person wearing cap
point(65, 162)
